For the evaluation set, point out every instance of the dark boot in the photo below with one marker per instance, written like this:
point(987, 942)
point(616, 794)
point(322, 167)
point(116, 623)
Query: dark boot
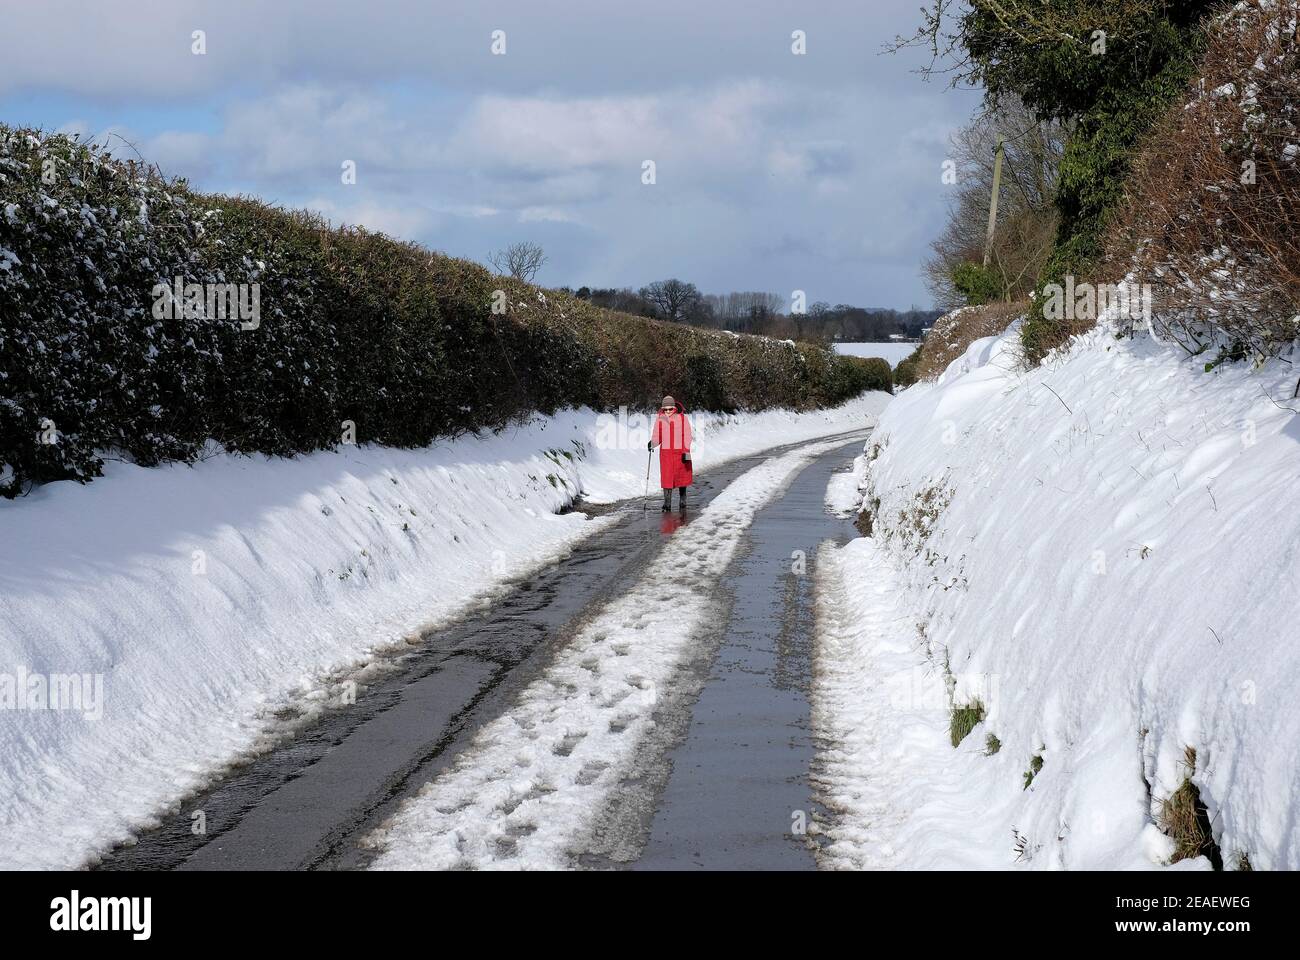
point(681, 497)
point(668, 499)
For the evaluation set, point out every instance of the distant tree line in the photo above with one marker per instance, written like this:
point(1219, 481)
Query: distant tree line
point(760, 312)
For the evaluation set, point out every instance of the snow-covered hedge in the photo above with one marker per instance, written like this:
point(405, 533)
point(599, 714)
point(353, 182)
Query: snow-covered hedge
point(357, 336)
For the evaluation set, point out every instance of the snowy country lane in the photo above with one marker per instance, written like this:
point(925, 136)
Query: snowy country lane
point(511, 739)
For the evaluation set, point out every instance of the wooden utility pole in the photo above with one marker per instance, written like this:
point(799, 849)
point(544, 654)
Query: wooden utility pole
point(993, 200)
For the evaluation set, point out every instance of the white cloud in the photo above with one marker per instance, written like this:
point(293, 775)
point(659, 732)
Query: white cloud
point(553, 136)
point(475, 211)
point(546, 215)
point(310, 128)
point(402, 222)
point(180, 153)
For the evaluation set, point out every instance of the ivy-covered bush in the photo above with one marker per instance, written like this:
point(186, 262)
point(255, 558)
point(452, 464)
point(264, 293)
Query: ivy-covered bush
point(357, 336)
point(977, 284)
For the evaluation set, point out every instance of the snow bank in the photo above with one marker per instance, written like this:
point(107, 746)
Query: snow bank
point(886, 770)
point(205, 602)
point(842, 498)
point(1103, 552)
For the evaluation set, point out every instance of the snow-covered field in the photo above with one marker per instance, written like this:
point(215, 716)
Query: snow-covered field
point(198, 602)
point(893, 352)
point(1105, 553)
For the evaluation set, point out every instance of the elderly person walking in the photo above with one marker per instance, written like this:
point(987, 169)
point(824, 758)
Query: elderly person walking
point(672, 435)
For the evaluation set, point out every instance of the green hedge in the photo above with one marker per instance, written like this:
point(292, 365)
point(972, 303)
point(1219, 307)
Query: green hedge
point(354, 326)
point(880, 375)
point(907, 373)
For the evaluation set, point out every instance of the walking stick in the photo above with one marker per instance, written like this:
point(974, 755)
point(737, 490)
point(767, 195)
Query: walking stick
point(645, 499)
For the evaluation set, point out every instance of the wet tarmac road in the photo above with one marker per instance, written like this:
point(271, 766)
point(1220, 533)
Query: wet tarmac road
point(738, 797)
point(306, 803)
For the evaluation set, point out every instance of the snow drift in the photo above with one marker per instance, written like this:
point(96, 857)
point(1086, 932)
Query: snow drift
point(1095, 562)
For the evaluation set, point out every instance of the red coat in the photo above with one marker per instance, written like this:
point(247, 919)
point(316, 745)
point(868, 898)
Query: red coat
point(672, 435)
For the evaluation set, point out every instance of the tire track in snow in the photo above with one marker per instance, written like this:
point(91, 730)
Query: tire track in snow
point(529, 787)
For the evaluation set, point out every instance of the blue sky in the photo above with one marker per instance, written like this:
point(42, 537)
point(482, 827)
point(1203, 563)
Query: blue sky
point(774, 171)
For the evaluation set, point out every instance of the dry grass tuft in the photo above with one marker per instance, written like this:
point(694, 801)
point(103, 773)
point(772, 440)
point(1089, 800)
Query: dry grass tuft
point(1185, 818)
